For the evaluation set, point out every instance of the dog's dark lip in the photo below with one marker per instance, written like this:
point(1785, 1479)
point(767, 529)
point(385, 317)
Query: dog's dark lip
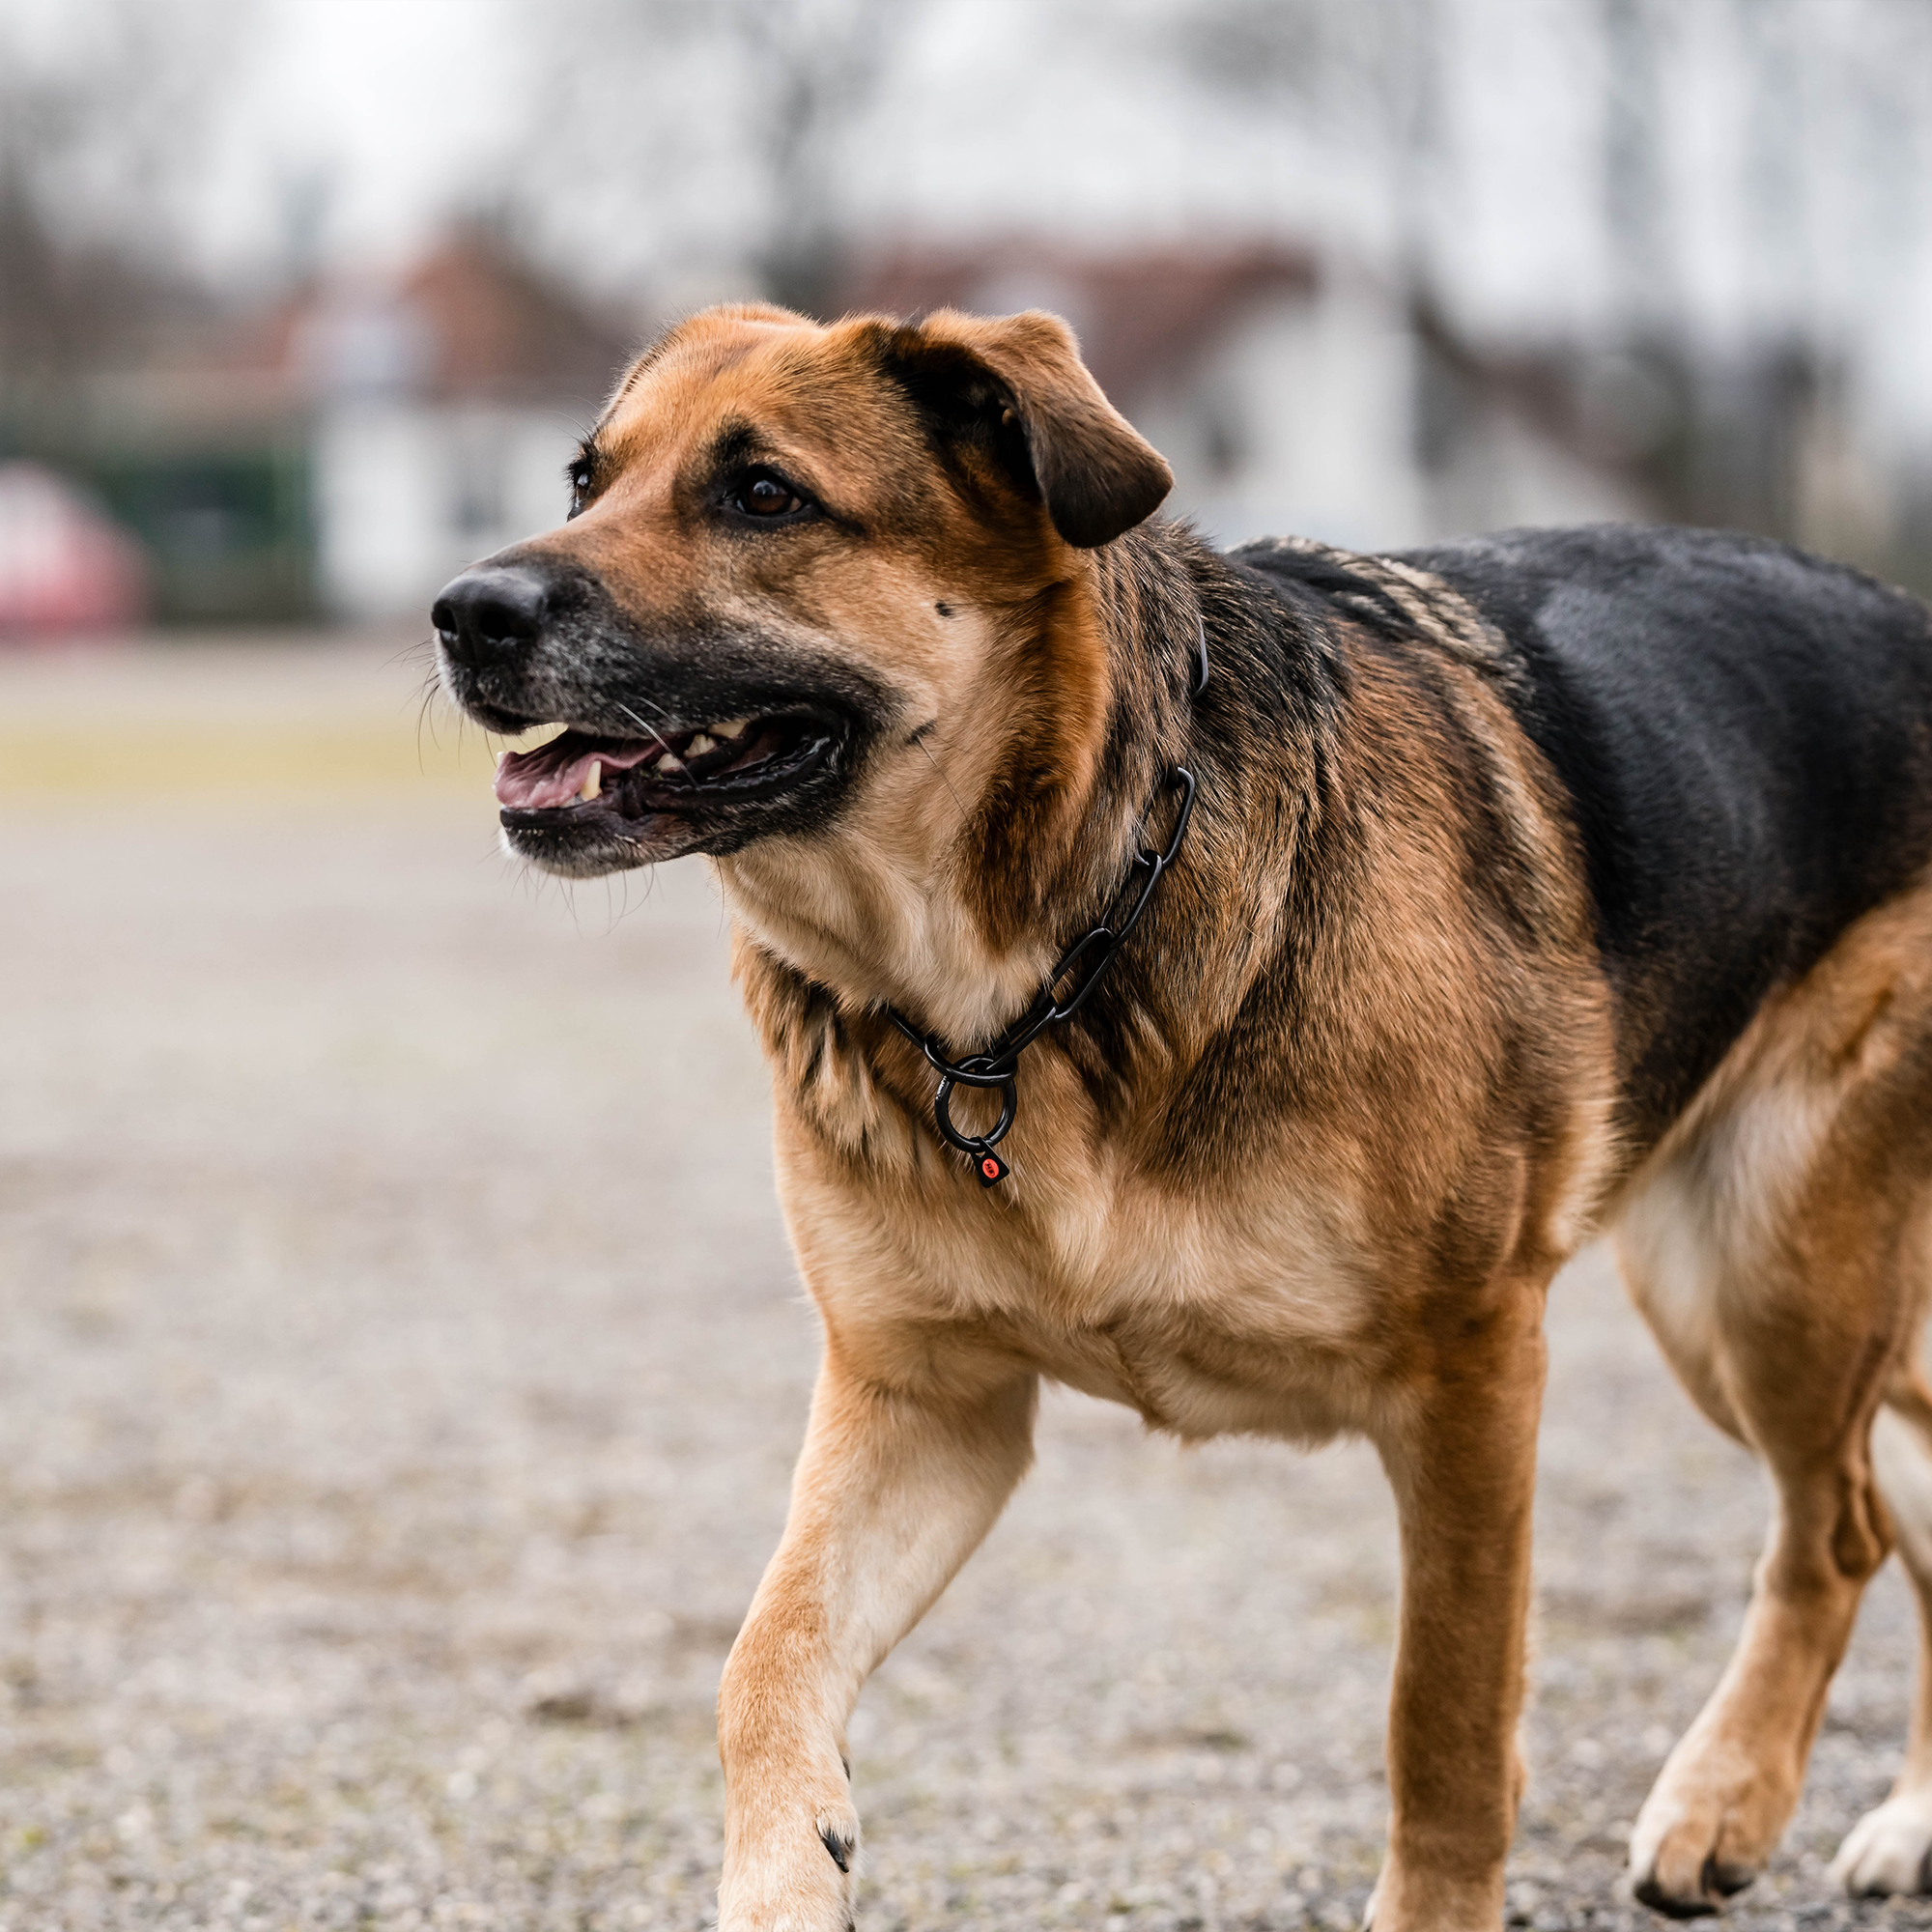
point(506, 724)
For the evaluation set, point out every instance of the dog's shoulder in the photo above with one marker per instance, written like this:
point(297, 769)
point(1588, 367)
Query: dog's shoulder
point(1389, 596)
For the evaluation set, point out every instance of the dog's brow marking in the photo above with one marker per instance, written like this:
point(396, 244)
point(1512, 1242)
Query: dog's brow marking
point(735, 442)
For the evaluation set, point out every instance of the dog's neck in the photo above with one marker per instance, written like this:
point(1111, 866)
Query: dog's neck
point(955, 887)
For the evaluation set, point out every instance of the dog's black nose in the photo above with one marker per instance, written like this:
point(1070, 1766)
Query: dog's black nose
point(489, 613)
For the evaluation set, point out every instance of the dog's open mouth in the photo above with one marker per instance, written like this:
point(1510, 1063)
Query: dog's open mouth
point(729, 761)
point(587, 803)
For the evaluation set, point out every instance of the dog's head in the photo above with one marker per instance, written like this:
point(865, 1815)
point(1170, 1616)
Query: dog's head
point(808, 574)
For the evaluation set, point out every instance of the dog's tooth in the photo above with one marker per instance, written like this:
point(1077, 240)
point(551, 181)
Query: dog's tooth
point(730, 727)
point(593, 781)
point(699, 745)
point(669, 762)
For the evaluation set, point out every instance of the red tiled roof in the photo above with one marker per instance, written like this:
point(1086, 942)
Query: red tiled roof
point(491, 326)
point(1141, 316)
point(500, 331)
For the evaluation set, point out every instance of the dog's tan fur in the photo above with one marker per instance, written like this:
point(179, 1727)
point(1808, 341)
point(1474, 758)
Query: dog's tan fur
point(1776, 1240)
point(1352, 1097)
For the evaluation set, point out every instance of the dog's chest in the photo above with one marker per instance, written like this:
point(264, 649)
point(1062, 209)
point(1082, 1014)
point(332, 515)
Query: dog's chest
point(1256, 1314)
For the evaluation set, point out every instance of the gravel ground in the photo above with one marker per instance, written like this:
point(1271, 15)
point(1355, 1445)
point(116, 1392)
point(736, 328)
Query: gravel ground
point(401, 1370)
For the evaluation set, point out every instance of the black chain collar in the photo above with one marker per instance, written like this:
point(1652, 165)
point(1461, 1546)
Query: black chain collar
point(1089, 956)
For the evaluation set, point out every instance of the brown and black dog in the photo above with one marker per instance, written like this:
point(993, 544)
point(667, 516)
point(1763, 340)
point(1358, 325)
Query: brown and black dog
point(1534, 885)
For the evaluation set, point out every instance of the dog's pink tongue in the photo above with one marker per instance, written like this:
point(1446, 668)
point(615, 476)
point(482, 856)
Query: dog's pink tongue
point(535, 780)
point(553, 774)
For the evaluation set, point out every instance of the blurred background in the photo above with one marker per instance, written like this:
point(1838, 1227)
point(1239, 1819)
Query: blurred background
point(401, 1360)
point(301, 301)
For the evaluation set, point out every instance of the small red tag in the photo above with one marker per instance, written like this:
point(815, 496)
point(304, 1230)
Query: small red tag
point(992, 1170)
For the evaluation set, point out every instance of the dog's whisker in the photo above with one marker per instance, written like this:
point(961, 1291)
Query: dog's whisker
point(959, 804)
point(422, 724)
point(682, 773)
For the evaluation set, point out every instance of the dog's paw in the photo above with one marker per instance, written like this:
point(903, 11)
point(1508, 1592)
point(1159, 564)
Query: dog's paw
point(1689, 1854)
point(1403, 1900)
point(1889, 1848)
point(802, 1881)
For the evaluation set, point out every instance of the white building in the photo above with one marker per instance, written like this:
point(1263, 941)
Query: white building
point(444, 404)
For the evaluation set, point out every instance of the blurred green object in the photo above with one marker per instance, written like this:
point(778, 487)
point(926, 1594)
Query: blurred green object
point(228, 529)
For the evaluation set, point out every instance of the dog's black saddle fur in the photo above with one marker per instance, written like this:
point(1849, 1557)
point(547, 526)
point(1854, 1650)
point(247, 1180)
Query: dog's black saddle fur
point(1745, 734)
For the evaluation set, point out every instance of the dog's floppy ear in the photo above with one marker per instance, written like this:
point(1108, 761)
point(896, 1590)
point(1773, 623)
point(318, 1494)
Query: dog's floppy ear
point(1017, 386)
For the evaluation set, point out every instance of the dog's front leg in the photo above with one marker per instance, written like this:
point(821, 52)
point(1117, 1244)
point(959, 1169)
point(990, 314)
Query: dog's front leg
point(895, 1488)
point(1463, 1462)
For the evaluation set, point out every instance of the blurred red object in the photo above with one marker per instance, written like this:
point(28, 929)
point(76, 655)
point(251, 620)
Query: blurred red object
point(64, 565)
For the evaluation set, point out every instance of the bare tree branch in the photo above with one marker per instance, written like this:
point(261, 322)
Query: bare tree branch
point(97, 140)
point(723, 124)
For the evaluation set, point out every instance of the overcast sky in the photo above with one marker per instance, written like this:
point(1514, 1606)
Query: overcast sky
point(1791, 144)
point(1000, 112)
point(409, 107)
point(397, 109)
point(1074, 117)
point(402, 108)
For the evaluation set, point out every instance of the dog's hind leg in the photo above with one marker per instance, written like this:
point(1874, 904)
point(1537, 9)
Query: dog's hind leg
point(1796, 1374)
point(1776, 1247)
point(1889, 1848)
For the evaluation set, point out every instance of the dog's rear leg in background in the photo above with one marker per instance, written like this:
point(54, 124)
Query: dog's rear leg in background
point(1779, 1252)
point(893, 1491)
point(1891, 1849)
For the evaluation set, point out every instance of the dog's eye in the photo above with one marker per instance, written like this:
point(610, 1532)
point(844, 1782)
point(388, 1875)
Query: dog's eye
point(765, 496)
point(579, 476)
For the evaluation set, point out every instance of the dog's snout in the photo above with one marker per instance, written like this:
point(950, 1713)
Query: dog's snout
point(491, 613)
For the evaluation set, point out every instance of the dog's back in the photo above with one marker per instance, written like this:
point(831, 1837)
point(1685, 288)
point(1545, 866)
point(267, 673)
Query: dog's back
point(1745, 734)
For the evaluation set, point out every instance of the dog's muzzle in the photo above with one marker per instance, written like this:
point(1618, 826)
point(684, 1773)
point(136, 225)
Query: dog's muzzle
point(679, 737)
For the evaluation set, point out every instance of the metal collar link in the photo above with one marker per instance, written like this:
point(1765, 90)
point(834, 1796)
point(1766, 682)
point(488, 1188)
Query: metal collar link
point(1089, 957)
